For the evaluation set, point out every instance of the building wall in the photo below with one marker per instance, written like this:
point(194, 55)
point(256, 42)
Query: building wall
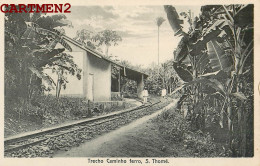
point(92, 67)
point(74, 87)
point(100, 70)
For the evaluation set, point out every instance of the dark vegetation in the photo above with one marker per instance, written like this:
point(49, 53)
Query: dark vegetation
point(30, 47)
point(183, 140)
point(215, 61)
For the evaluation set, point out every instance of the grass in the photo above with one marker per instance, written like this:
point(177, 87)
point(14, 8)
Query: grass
point(47, 111)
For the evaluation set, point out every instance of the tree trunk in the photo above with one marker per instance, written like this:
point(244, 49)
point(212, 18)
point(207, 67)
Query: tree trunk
point(221, 122)
point(58, 87)
point(241, 118)
point(107, 50)
point(230, 125)
point(229, 112)
point(158, 48)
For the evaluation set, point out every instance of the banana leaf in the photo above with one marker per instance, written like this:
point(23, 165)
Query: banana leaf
point(183, 72)
point(222, 24)
point(65, 44)
point(54, 36)
point(43, 76)
point(29, 34)
point(202, 62)
point(219, 60)
point(201, 43)
point(173, 19)
point(182, 50)
point(213, 83)
point(245, 16)
point(46, 54)
point(52, 44)
point(217, 29)
point(210, 9)
point(47, 57)
point(239, 95)
point(215, 75)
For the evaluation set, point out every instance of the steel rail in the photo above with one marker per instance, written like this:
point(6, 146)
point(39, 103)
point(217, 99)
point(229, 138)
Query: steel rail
point(11, 142)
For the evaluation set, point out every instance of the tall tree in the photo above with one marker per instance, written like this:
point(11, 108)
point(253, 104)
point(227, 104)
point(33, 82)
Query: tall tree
point(85, 36)
point(107, 38)
point(159, 22)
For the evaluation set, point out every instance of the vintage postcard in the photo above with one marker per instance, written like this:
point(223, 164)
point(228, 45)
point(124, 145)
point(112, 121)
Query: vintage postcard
point(129, 83)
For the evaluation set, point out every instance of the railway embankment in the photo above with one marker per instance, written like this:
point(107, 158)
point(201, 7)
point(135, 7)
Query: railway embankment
point(44, 143)
point(48, 111)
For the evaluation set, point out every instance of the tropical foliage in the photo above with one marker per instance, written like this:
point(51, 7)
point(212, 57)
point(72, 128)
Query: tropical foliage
point(30, 47)
point(107, 37)
point(85, 37)
point(161, 77)
point(215, 60)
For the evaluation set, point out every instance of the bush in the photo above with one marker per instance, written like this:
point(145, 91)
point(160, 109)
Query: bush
point(176, 129)
point(44, 111)
point(47, 109)
point(173, 125)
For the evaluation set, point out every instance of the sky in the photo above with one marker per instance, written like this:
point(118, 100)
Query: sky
point(137, 27)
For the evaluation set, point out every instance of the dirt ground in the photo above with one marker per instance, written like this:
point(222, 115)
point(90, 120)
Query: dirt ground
point(140, 138)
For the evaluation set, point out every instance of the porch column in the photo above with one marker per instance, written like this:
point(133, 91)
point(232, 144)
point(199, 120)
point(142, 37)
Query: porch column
point(119, 81)
point(140, 86)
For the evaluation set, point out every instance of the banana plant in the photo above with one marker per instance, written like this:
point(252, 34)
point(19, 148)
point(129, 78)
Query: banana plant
point(238, 40)
point(191, 59)
point(218, 44)
point(32, 47)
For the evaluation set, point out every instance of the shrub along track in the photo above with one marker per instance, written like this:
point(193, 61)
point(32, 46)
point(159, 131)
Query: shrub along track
point(44, 143)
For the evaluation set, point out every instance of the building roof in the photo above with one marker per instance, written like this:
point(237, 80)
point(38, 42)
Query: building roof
point(129, 72)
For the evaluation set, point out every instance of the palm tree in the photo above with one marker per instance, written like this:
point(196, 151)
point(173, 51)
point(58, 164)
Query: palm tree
point(159, 21)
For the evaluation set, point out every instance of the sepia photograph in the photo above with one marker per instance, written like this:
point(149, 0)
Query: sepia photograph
point(115, 83)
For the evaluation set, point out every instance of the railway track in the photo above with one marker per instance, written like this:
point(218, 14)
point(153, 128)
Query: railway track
point(15, 143)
